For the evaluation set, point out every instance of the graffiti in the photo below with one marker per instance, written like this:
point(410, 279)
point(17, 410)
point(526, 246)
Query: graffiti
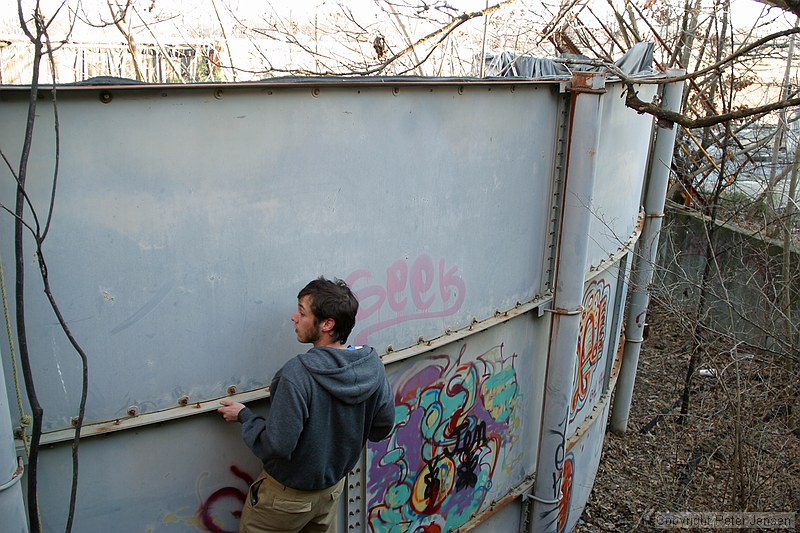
point(550, 515)
point(591, 340)
point(558, 458)
point(579, 470)
point(411, 293)
point(640, 319)
point(467, 442)
point(208, 513)
point(566, 492)
point(219, 512)
point(455, 427)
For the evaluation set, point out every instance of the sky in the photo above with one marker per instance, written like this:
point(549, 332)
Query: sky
point(743, 11)
point(183, 14)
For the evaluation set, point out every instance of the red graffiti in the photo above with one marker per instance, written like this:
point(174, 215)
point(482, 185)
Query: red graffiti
point(566, 492)
point(205, 512)
point(591, 341)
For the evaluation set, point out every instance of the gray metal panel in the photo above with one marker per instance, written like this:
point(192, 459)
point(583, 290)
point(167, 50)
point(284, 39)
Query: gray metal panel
point(622, 160)
point(581, 462)
point(185, 225)
point(161, 478)
point(12, 508)
point(175, 476)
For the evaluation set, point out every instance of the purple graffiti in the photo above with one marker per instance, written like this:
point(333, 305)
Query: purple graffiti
point(455, 429)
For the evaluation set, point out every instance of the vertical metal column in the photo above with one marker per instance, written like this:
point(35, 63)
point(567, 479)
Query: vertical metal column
point(12, 507)
point(355, 493)
point(571, 258)
point(645, 256)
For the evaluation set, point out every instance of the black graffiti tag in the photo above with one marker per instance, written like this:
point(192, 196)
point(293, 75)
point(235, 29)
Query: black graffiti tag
point(465, 452)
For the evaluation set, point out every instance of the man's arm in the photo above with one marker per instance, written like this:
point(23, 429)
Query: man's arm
point(383, 421)
point(274, 436)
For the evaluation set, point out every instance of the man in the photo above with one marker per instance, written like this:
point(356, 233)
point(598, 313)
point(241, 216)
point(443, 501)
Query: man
point(325, 404)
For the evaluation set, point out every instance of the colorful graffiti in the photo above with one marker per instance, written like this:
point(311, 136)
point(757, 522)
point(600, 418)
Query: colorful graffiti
point(414, 292)
point(456, 423)
point(591, 341)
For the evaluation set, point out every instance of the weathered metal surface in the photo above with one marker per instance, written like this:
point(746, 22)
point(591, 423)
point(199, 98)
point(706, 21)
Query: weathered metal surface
point(187, 219)
point(570, 262)
point(185, 224)
point(12, 507)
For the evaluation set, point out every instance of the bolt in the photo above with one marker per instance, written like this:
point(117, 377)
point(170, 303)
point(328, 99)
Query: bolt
point(133, 410)
point(106, 97)
point(183, 401)
point(232, 389)
point(218, 94)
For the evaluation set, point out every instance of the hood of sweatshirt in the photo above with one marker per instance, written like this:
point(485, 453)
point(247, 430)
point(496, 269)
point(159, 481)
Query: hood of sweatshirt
point(350, 375)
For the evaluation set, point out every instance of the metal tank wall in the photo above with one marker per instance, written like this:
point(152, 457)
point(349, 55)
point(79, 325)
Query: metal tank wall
point(187, 218)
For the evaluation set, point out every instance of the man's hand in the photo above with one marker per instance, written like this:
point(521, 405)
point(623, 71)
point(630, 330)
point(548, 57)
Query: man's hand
point(230, 410)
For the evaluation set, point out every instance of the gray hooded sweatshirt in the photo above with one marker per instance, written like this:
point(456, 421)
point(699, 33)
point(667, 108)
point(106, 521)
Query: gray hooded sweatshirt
point(325, 404)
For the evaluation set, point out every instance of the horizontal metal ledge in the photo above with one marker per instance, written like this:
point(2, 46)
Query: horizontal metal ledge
point(476, 326)
point(496, 505)
point(293, 82)
point(539, 304)
point(156, 417)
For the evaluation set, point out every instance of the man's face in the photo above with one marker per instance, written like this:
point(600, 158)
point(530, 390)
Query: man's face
point(305, 323)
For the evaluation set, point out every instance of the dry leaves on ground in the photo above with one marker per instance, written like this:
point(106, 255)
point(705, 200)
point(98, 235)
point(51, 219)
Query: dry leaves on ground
point(738, 450)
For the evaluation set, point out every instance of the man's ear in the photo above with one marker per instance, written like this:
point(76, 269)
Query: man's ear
point(327, 325)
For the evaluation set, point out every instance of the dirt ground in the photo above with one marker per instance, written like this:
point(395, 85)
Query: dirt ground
point(738, 450)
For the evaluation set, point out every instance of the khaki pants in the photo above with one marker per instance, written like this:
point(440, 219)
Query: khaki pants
point(272, 507)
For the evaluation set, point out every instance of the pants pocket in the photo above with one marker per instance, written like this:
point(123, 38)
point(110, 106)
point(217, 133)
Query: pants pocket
point(337, 491)
point(291, 506)
point(252, 494)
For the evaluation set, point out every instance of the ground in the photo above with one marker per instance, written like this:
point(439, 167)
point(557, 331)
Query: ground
point(739, 448)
